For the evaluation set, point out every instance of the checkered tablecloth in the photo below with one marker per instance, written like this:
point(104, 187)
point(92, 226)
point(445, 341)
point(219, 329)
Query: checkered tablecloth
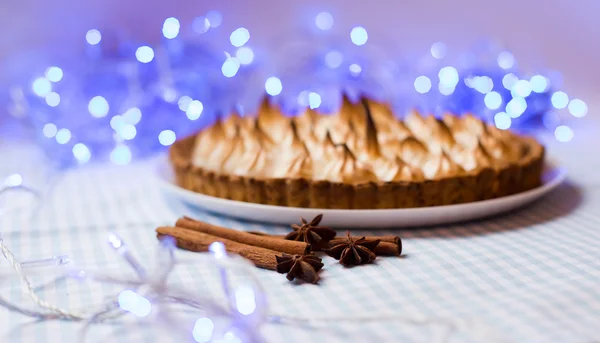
point(528, 276)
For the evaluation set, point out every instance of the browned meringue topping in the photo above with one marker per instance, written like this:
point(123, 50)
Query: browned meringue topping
point(362, 142)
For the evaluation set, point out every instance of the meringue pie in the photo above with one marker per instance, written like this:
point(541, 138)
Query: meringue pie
point(362, 157)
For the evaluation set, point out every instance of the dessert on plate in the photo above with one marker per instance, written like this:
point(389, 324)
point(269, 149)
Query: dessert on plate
point(362, 157)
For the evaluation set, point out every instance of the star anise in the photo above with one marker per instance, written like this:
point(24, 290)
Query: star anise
point(311, 233)
point(303, 267)
point(354, 251)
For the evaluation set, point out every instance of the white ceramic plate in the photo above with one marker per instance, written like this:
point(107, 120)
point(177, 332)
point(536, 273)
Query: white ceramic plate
point(367, 219)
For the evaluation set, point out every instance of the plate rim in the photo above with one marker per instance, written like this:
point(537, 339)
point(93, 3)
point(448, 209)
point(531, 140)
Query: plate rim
point(559, 175)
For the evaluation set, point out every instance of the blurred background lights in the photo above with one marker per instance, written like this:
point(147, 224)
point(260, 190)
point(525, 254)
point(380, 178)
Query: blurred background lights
point(144, 54)
point(194, 110)
point(239, 37)
point(273, 86)
point(169, 94)
point(493, 100)
point(217, 249)
point(482, 84)
point(93, 37)
point(303, 98)
point(54, 74)
point(245, 300)
point(502, 121)
point(49, 130)
point(509, 80)
point(81, 152)
point(98, 107)
point(448, 76)
point(13, 180)
point(438, 50)
point(132, 302)
point(563, 133)
point(53, 99)
point(551, 120)
point(203, 330)
point(132, 116)
point(578, 108)
point(446, 90)
point(200, 24)
point(538, 83)
point(359, 35)
point(422, 84)
point(166, 137)
point(230, 67)
point(516, 107)
point(521, 88)
point(121, 155)
point(333, 59)
point(314, 100)
point(355, 69)
point(184, 102)
point(324, 21)
point(41, 86)
point(214, 18)
point(245, 55)
point(506, 60)
point(117, 122)
point(170, 28)
point(127, 132)
point(63, 136)
point(559, 99)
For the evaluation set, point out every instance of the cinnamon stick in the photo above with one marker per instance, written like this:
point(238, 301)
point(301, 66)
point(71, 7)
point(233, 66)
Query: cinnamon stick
point(272, 243)
point(199, 242)
point(388, 245)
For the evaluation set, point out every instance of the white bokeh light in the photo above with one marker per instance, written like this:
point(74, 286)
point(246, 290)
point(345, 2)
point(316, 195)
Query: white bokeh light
point(50, 130)
point(41, 86)
point(54, 74)
point(359, 35)
point(98, 107)
point(230, 67)
point(93, 37)
point(53, 99)
point(194, 110)
point(516, 107)
point(170, 28)
point(502, 121)
point(559, 99)
point(167, 137)
point(448, 77)
point(333, 59)
point(355, 69)
point(63, 136)
point(563, 133)
point(273, 86)
point(239, 37)
point(203, 330)
point(144, 54)
point(422, 84)
point(324, 21)
point(578, 108)
point(121, 155)
point(539, 84)
point(245, 55)
point(493, 100)
point(506, 60)
point(82, 153)
point(314, 100)
point(438, 50)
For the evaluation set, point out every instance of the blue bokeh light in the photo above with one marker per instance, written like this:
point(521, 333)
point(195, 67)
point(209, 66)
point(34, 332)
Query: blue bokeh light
point(355, 69)
point(422, 84)
point(563, 133)
point(127, 132)
point(509, 80)
point(559, 99)
point(170, 28)
point(502, 121)
point(493, 100)
point(203, 330)
point(239, 37)
point(448, 77)
point(521, 88)
point(538, 83)
point(49, 130)
point(93, 37)
point(132, 302)
point(54, 74)
point(578, 108)
point(41, 86)
point(506, 60)
point(63, 136)
point(314, 100)
point(144, 54)
point(132, 116)
point(81, 153)
point(194, 110)
point(482, 84)
point(121, 155)
point(324, 21)
point(359, 35)
point(98, 107)
point(438, 50)
point(516, 107)
point(273, 86)
point(245, 55)
point(446, 90)
point(333, 59)
point(214, 18)
point(167, 137)
point(200, 24)
point(52, 99)
point(230, 67)
point(184, 102)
